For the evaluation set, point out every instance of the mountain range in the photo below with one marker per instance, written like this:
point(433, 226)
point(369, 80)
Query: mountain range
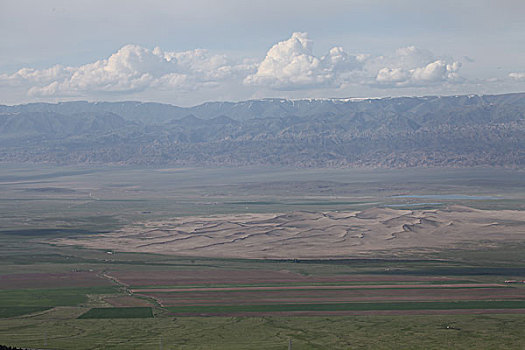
point(377, 132)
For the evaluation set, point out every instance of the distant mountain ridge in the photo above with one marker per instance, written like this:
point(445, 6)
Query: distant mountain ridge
point(388, 132)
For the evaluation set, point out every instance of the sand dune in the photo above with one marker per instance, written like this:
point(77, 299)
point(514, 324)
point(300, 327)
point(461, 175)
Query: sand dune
point(312, 234)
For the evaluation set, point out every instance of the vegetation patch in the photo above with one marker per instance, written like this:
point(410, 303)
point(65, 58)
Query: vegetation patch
point(50, 297)
point(118, 312)
point(225, 309)
point(11, 311)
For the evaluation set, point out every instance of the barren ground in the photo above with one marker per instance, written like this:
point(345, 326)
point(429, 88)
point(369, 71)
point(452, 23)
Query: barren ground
point(312, 234)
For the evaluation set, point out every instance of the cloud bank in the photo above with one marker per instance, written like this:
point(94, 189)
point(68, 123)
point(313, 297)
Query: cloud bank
point(131, 69)
point(288, 65)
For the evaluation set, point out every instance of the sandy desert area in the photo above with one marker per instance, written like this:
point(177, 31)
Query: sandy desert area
point(311, 234)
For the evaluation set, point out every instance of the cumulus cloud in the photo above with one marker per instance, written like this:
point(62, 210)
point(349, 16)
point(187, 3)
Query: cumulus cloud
point(288, 65)
point(411, 66)
point(519, 76)
point(42, 76)
point(437, 71)
point(291, 64)
point(132, 68)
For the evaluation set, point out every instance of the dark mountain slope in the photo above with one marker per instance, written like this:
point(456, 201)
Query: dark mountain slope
point(408, 131)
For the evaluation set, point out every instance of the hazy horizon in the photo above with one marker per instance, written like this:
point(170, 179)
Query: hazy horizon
point(349, 98)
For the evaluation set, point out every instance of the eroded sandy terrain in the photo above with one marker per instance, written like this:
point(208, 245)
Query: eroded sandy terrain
point(312, 234)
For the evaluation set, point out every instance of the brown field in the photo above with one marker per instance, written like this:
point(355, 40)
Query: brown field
point(126, 301)
point(330, 296)
point(223, 276)
point(337, 287)
point(311, 234)
point(52, 280)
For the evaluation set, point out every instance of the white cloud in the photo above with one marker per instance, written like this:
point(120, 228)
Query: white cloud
point(291, 64)
point(43, 76)
point(519, 76)
point(130, 69)
point(411, 66)
point(437, 71)
point(392, 75)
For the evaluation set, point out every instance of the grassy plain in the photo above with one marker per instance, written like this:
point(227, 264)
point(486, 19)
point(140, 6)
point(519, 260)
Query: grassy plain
point(312, 332)
point(45, 288)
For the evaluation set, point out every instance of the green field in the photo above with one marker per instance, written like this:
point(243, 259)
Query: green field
point(117, 312)
point(11, 311)
point(218, 309)
point(50, 297)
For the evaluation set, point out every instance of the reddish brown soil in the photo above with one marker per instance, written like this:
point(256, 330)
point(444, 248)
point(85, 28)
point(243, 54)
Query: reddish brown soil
point(345, 295)
point(52, 280)
point(378, 286)
point(219, 276)
point(125, 301)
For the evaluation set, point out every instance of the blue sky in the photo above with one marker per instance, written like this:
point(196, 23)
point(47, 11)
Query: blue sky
point(188, 52)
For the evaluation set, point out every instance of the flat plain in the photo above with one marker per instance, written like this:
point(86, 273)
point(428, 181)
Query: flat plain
point(223, 258)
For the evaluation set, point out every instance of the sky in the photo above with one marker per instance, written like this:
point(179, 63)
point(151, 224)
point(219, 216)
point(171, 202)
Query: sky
point(189, 52)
